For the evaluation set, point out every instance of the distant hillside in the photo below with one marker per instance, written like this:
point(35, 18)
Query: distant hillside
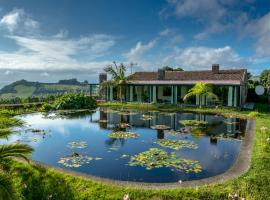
point(25, 88)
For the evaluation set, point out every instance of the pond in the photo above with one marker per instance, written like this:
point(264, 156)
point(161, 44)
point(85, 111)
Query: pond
point(130, 145)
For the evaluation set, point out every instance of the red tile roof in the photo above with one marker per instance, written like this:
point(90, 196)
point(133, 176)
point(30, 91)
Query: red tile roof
point(235, 76)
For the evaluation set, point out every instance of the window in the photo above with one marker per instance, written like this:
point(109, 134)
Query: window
point(167, 91)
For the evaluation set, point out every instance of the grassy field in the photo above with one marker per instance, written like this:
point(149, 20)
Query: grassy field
point(35, 182)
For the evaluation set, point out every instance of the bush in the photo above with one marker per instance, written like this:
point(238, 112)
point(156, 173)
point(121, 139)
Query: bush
point(74, 101)
point(253, 114)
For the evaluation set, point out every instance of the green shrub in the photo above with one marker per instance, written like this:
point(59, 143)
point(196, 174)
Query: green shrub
point(47, 107)
point(74, 101)
point(253, 114)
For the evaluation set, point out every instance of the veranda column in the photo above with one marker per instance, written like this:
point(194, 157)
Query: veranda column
point(236, 96)
point(230, 96)
point(172, 94)
point(111, 93)
point(197, 100)
point(131, 93)
point(175, 94)
point(154, 94)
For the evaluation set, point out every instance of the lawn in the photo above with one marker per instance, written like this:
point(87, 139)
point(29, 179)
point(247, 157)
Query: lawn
point(35, 182)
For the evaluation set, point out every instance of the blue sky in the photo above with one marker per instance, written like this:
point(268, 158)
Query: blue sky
point(51, 40)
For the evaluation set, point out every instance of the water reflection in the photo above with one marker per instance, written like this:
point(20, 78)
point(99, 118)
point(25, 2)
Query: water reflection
point(218, 143)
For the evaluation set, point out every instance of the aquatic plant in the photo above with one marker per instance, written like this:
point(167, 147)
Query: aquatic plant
point(157, 158)
point(123, 134)
point(179, 132)
point(146, 117)
point(230, 122)
point(124, 125)
point(193, 123)
point(78, 145)
point(103, 121)
point(173, 132)
point(177, 144)
point(160, 127)
point(168, 113)
point(75, 160)
point(124, 156)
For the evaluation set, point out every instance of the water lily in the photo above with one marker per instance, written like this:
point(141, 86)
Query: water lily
point(123, 134)
point(263, 129)
point(126, 197)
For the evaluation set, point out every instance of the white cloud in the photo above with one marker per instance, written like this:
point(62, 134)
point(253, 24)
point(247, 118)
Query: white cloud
point(260, 29)
point(215, 15)
point(44, 74)
point(165, 32)
point(203, 57)
point(52, 54)
point(18, 20)
point(8, 72)
point(138, 51)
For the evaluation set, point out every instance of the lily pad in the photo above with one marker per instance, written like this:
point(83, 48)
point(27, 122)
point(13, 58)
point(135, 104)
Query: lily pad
point(177, 144)
point(160, 127)
point(123, 134)
point(230, 122)
point(193, 123)
point(124, 125)
point(103, 121)
point(78, 145)
point(75, 161)
point(146, 117)
point(157, 158)
point(173, 132)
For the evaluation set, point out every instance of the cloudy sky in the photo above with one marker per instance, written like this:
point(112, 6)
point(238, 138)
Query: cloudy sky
point(51, 40)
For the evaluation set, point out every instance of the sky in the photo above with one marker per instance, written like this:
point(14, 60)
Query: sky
point(51, 40)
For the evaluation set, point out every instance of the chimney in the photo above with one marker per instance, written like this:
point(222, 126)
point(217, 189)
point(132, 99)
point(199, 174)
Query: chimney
point(161, 74)
point(215, 68)
point(102, 78)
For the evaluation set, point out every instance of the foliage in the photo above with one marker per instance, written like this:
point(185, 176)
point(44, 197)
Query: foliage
point(160, 127)
point(71, 101)
point(119, 79)
point(193, 123)
point(201, 89)
point(9, 151)
point(157, 158)
point(265, 78)
point(167, 68)
point(253, 114)
point(177, 144)
point(123, 134)
point(76, 160)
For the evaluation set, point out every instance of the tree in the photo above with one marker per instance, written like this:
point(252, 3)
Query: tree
point(168, 68)
point(201, 89)
point(7, 152)
point(119, 79)
point(265, 79)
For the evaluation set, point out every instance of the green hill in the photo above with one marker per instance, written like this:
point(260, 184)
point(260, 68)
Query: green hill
point(25, 88)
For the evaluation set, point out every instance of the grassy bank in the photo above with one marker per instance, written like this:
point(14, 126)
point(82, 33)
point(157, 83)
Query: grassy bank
point(35, 182)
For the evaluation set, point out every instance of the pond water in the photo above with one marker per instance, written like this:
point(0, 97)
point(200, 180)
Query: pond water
point(131, 146)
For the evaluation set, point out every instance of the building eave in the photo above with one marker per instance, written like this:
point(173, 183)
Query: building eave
point(190, 82)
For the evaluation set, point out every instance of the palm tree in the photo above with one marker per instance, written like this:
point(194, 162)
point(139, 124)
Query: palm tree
point(119, 78)
point(7, 152)
point(201, 89)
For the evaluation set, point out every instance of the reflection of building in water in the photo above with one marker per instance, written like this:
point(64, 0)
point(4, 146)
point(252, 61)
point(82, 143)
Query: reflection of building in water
point(213, 140)
point(217, 125)
point(160, 134)
point(103, 122)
